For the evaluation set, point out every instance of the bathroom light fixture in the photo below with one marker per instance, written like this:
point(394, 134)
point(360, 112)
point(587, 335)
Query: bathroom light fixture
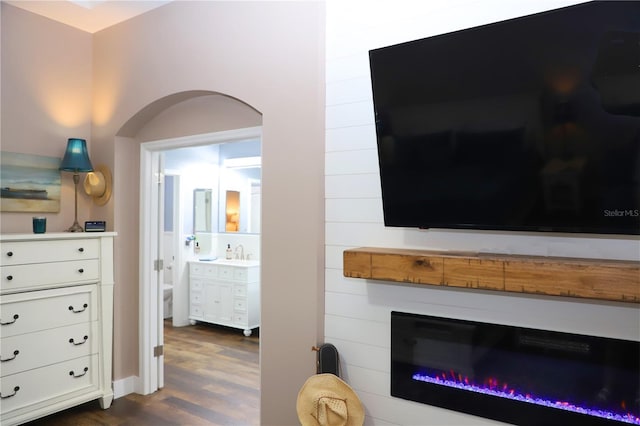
point(76, 160)
point(97, 184)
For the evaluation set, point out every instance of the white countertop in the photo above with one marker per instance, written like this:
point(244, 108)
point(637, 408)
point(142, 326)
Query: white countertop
point(232, 262)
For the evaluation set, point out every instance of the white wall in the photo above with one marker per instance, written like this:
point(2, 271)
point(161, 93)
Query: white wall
point(357, 312)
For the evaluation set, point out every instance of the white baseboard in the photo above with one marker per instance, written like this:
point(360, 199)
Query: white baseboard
point(124, 387)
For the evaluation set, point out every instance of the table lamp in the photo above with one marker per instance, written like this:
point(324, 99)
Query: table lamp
point(76, 160)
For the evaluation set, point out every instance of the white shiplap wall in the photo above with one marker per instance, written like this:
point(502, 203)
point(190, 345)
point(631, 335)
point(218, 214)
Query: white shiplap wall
point(357, 312)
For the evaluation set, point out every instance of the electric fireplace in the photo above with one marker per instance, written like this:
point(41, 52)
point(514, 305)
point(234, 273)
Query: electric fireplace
point(516, 375)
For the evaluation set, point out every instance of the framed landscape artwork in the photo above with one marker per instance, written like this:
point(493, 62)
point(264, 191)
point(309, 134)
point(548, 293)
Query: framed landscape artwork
point(29, 183)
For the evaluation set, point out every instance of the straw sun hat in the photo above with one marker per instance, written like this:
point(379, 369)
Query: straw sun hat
point(97, 184)
point(326, 400)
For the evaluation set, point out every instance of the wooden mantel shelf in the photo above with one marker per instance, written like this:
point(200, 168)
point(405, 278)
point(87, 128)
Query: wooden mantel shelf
point(613, 280)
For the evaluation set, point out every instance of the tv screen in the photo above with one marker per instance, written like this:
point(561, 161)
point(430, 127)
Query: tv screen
point(530, 124)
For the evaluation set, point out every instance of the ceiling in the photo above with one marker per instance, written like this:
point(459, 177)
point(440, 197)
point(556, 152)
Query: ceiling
point(88, 15)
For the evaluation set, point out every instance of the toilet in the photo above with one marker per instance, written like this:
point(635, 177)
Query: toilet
point(168, 300)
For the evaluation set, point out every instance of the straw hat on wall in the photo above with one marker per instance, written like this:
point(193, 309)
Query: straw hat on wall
point(97, 184)
point(326, 400)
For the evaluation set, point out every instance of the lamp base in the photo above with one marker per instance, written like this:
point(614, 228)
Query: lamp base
point(75, 228)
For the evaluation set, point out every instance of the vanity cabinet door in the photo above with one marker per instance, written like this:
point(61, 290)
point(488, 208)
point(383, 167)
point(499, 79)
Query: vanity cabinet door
point(218, 302)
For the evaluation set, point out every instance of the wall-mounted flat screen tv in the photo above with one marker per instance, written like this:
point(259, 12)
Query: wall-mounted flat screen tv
point(530, 124)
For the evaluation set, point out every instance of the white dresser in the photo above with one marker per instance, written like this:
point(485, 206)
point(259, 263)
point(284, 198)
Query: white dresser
point(56, 323)
point(225, 293)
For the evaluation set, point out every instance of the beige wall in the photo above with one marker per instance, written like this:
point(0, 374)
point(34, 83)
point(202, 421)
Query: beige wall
point(46, 99)
point(199, 115)
point(269, 55)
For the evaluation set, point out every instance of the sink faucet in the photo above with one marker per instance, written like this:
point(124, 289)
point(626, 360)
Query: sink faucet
point(241, 257)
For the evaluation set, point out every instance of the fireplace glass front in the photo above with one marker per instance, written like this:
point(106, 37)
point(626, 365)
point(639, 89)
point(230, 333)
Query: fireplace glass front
point(517, 375)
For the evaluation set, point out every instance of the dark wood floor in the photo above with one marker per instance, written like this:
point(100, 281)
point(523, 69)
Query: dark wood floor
point(211, 378)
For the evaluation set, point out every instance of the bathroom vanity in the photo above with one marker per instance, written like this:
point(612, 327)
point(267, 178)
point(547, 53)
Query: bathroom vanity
point(225, 292)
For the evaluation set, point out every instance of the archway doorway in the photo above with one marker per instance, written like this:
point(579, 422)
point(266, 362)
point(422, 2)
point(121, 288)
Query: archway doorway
point(166, 120)
point(151, 294)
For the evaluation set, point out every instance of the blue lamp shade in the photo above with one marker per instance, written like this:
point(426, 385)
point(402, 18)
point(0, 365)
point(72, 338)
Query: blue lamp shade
point(76, 157)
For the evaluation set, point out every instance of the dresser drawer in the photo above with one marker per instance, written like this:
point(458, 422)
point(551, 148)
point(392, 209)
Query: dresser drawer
point(31, 277)
point(27, 252)
point(33, 386)
point(34, 350)
point(33, 311)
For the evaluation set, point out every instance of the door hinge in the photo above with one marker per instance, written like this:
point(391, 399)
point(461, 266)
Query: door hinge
point(158, 265)
point(158, 351)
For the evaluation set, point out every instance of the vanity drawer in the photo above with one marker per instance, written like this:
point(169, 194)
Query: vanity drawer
point(195, 269)
point(247, 275)
point(240, 305)
point(196, 285)
point(46, 309)
point(31, 277)
point(240, 319)
point(203, 269)
point(33, 386)
point(240, 274)
point(240, 290)
point(196, 298)
point(195, 311)
point(34, 350)
point(26, 252)
point(226, 272)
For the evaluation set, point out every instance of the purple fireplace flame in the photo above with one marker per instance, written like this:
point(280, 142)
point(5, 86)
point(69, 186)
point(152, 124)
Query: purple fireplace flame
point(502, 390)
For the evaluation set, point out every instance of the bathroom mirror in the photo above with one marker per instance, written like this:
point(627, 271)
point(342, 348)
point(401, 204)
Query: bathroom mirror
point(239, 210)
point(232, 210)
point(202, 201)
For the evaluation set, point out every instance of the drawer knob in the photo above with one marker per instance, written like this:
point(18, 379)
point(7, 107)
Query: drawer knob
point(15, 318)
point(15, 391)
point(75, 376)
point(72, 309)
point(15, 354)
point(10, 253)
point(9, 277)
point(81, 270)
point(79, 343)
point(81, 249)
